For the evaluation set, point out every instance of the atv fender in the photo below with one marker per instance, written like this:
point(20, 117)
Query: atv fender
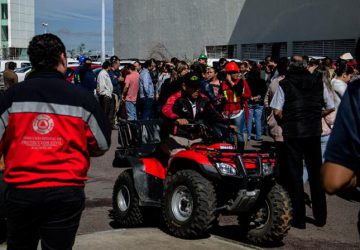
point(188, 159)
point(148, 175)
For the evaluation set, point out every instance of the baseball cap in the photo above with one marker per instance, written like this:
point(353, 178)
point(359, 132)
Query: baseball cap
point(346, 56)
point(203, 56)
point(192, 80)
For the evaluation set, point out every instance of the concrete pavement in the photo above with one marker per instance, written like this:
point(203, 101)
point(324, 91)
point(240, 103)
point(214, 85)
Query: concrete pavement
point(148, 239)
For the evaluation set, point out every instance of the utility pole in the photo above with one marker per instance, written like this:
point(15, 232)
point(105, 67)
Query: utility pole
point(103, 31)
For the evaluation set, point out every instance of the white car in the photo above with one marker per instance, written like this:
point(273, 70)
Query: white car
point(125, 62)
point(211, 62)
point(21, 73)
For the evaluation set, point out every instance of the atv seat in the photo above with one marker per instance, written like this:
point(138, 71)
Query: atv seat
point(139, 137)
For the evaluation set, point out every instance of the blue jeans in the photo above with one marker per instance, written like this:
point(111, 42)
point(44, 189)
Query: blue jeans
point(131, 110)
point(148, 107)
point(240, 123)
point(324, 141)
point(255, 112)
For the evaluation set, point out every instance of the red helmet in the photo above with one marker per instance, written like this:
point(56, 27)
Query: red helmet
point(232, 67)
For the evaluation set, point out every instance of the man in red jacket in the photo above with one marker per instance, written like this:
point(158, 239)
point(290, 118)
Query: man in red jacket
point(188, 106)
point(48, 131)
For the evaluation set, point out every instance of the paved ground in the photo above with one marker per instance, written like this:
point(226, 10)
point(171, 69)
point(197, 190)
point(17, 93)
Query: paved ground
point(147, 238)
point(339, 233)
point(150, 238)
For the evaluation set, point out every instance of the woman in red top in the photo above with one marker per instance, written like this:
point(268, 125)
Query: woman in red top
point(235, 93)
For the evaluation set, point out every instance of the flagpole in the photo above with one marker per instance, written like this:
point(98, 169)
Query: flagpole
point(103, 31)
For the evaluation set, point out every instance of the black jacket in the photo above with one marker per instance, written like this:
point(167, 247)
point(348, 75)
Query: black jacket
point(179, 106)
point(303, 105)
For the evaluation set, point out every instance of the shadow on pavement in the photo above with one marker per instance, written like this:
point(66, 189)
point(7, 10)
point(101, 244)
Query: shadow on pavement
point(234, 233)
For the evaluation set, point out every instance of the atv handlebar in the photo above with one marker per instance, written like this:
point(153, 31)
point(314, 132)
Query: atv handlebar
point(214, 133)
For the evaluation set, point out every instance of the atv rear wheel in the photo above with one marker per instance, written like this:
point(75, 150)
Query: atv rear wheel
point(189, 204)
point(269, 221)
point(126, 207)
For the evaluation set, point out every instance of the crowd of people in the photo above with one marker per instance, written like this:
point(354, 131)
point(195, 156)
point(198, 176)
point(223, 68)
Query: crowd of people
point(296, 100)
point(241, 92)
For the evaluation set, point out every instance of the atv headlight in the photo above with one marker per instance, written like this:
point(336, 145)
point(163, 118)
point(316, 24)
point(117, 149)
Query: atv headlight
point(225, 169)
point(267, 169)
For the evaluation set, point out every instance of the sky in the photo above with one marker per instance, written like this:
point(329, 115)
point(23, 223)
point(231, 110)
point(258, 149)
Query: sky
point(76, 22)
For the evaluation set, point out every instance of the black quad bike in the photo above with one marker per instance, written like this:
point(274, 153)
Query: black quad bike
point(196, 185)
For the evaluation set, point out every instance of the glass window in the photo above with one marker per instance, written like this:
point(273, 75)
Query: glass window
point(4, 33)
point(22, 69)
point(258, 51)
point(330, 48)
point(25, 65)
point(4, 11)
point(227, 51)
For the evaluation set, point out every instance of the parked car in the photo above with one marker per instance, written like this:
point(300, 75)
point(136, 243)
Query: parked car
point(19, 64)
point(71, 62)
point(125, 62)
point(212, 62)
point(70, 72)
point(21, 72)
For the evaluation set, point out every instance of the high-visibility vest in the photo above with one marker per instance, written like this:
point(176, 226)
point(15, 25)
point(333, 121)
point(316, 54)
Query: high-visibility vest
point(227, 98)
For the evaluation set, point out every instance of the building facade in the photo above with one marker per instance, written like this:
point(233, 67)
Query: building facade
point(235, 28)
point(17, 27)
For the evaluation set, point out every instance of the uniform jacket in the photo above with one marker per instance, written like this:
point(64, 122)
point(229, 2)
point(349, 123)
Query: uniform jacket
point(235, 96)
point(48, 131)
point(179, 106)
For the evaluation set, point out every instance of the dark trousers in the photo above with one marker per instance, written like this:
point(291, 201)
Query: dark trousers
point(49, 214)
point(308, 149)
point(147, 107)
point(107, 105)
point(281, 169)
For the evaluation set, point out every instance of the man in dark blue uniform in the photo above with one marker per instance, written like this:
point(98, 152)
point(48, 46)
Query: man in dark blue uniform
point(342, 156)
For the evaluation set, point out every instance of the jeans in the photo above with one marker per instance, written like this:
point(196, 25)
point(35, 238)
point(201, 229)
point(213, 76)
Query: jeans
point(324, 141)
point(255, 111)
point(131, 110)
point(240, 124)
point(49, 214)
point(148, 107)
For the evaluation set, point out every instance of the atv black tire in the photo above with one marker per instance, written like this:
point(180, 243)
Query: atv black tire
point(203, 203)
point(125, 200)
point(269, 221)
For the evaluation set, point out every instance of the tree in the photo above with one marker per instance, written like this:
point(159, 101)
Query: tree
point(82, 48)
point(72, 53)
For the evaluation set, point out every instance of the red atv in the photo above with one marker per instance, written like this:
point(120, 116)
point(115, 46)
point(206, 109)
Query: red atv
point(196, 185)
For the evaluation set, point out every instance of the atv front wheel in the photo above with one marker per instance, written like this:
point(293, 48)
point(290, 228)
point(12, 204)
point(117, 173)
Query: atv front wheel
point(270, 219)
point(189, 204)
point(126, 207)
